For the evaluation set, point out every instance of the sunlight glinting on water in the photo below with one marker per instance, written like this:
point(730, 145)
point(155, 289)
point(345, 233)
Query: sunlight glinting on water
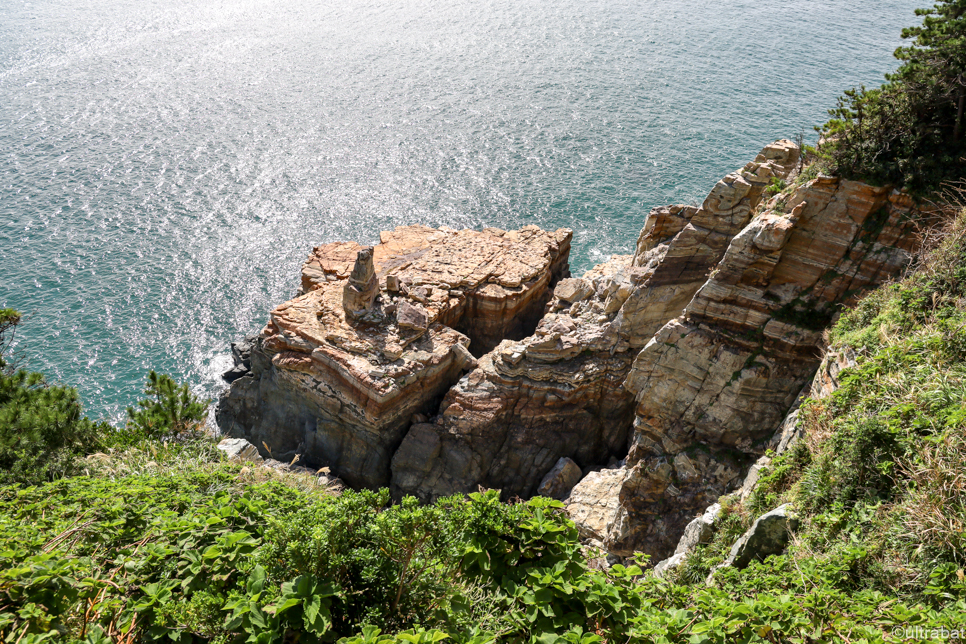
point(166, 166)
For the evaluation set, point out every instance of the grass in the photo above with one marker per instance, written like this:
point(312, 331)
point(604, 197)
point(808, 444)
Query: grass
point(880, 474)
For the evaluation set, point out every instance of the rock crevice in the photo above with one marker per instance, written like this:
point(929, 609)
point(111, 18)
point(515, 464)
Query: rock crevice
point(438, 361)
point(559, 393)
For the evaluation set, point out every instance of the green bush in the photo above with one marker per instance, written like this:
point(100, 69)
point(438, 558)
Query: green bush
point(42, 426)
point(170, 411)
point(910, 131)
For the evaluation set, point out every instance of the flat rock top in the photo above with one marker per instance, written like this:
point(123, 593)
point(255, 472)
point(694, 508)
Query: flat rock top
point(432, 270)
point(445, 258)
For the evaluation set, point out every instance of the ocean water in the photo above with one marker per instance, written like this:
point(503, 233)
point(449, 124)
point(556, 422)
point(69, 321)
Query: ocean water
point(165, 166)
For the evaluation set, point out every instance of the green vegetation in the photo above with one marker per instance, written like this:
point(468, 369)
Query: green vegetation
point(42, 428)
point(190, 548)
point(165, 541)
point(44, 434)
point(879, 477)
point(775, 186)
point(910, 131)
point(170, 411)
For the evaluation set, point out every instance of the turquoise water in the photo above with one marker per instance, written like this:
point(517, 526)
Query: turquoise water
point(166, 166)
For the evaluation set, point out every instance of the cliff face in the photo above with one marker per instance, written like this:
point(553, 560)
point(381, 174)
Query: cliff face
point(379, 334)
point(439, 361)
point(559, 392)
point(714, 383)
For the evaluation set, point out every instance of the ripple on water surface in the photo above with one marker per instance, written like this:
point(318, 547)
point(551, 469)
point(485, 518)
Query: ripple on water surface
point(165, 166)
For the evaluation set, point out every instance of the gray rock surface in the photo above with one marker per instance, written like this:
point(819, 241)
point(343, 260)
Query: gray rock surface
point(767, 536)
point(560, 480)
point(699, 531)
point(669, 564)
point(751, 479)
point(238, 449)
point(241, 354)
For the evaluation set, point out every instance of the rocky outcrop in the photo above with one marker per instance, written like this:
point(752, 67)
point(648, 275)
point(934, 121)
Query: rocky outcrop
point(490, 285)
point(340, 372)
point(241, 354)
point(438, 361)
point(713, 384)
point(238, 449)
point(594, 503)
point(559, 393)
point(560, 480)
point(826, 381)
point(767, 536)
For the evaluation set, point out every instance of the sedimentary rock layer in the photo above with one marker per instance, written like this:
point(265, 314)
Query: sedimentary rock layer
point(559, 392)
point(713, 384)
point(490, 285)
point(379, 334)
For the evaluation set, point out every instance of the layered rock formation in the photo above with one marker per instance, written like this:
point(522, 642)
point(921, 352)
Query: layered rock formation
point(701, 529)
point(559, 393)
point(340, 372)
point(672, 366)
point(489, 285)
point(713, 384)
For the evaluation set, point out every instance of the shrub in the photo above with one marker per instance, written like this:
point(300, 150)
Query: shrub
point(909, 132)
point(42, 426)
point(169, 412)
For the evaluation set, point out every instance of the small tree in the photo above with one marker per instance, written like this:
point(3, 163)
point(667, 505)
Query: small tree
point(42, 426)
point(170, 410)
point(936, 61)
point(9, 319)
point(909, 132)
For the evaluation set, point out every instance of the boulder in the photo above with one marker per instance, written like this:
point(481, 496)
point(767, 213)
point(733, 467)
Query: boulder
point(338, 372)
point(238, 449)
point(573, 289)
point(767, 536)
point(560, 480)
point(669, 564)
point(699, 531)
point(241, 351)
point(411, 316)
point(751, 478)
point(593, 505)
point(235, 373)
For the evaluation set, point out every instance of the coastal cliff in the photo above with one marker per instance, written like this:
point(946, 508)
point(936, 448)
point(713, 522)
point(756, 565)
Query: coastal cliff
point(441, 361)
point(340, 373)
point(559, 393)
point(713, 385)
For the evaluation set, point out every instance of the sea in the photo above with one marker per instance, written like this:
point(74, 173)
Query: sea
point(167, 165)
